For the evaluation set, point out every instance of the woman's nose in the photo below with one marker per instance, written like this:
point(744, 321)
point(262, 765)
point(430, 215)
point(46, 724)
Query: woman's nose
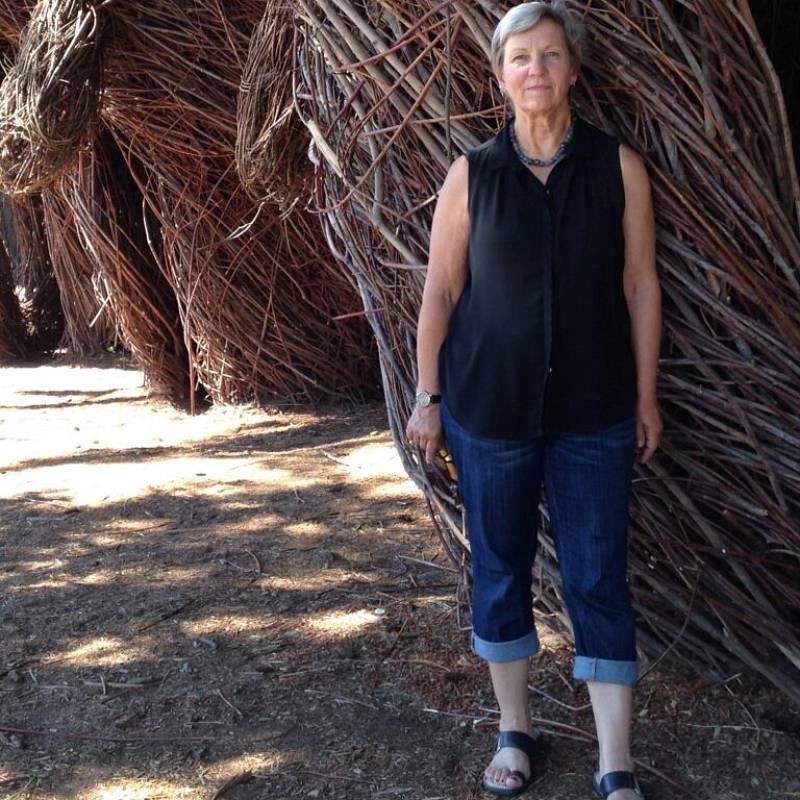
point(536, 64)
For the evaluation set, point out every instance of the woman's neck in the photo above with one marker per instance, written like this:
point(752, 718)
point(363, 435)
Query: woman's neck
point(540, 135)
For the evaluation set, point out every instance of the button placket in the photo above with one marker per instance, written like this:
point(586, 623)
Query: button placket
point(548, 299)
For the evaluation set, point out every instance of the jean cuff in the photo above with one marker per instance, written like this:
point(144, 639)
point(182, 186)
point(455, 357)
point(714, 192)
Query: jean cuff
point(604, 670)
point(511, 650)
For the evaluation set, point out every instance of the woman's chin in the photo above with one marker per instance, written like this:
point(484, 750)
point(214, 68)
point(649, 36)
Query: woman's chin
point(536, 106)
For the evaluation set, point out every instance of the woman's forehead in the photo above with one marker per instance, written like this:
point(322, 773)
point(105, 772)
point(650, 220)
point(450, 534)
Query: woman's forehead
point(546, 32)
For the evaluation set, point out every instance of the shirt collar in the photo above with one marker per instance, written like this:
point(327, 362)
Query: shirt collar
point(501, 151)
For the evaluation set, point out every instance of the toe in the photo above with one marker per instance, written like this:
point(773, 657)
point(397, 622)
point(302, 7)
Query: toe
point(512, 781)
point(500, 776)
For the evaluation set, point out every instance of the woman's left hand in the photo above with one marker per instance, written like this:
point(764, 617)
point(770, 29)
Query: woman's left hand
point(648, 429)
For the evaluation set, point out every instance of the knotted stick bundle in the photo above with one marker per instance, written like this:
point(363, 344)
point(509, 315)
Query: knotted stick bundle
point(256, 304)
point(88, 314)
point(106, 211)
point(271, 142)
point(390, 97)
point(256, 289)
point(48, 105)
point(49, 97)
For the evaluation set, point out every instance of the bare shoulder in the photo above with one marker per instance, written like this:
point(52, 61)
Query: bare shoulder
point(453, 194)
point(634, 171)
point(457, 175)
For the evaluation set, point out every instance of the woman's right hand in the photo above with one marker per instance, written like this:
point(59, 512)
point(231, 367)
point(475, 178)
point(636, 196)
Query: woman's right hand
point(424, 429)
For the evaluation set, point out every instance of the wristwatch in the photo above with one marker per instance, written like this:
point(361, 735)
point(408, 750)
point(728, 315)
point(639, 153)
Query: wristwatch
point(425, 398)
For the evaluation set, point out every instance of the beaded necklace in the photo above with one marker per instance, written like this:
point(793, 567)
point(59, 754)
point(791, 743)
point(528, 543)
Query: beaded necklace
point(542, 162)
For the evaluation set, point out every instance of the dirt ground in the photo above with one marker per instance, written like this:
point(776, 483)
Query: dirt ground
point(251, 603)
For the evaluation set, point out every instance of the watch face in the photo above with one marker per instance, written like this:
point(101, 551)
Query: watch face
point(423, 399)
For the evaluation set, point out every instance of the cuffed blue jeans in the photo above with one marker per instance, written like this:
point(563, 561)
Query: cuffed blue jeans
point(587, 481)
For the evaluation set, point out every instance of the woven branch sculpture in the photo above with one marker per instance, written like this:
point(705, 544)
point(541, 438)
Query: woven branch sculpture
point(391, 92)
point(107, 217)
point(256, 289)
point(49, 97)
point(256, 307)
point(271, 143)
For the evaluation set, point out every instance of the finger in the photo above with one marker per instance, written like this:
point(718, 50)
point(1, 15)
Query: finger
point(430, 451)
point(641, 436)
point(652, 443)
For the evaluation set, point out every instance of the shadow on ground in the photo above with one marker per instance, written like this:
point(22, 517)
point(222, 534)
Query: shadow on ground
point(255, 598)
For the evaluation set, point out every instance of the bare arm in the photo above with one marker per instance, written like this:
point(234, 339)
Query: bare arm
point(444, 282)
point(447, 272)
point(643, 296)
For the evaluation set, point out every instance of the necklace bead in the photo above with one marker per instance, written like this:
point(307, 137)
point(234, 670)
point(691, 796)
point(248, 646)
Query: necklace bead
point(542, 162)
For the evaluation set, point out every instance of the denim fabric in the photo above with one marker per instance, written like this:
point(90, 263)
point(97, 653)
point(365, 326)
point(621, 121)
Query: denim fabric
point(587, 482)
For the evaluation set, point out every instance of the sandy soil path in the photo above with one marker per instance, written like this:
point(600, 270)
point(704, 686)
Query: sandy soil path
point(241, 599)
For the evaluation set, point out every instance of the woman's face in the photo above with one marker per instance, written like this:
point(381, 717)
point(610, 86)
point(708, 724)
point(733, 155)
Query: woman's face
point(537, 70)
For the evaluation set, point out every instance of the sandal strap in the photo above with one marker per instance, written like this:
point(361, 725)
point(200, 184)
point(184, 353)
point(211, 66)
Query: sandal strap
point(520, 740)
point(621, 779)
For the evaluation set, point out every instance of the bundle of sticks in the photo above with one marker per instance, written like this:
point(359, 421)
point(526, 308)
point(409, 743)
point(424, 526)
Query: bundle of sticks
point(257, 292)
point(391, 96)
point(221, 294)
point(49, 96)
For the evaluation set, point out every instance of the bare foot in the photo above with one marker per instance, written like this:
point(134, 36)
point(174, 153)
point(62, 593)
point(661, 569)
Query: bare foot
point(505, 760)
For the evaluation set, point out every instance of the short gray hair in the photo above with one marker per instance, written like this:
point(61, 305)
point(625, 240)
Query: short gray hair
point(524, 16)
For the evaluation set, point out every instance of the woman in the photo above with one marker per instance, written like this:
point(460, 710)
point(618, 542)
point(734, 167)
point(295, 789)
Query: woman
point(537, 352)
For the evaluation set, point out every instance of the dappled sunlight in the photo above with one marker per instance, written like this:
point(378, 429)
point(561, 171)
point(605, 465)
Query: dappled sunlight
point(305, 527)
point(387, 490)
point(107, 445)
point(67, 580)
point(378, 469)
point(98, 577)
point(550, 639)
point(169, 579)
point(309, 583)
point(259, 761)
point(45, 583)
point(375, 460)
point(108, 393)
point(343, 623)
point(102, 651)
point(228, 624)
point(118, 481)
point(43, 566)
point(130, 788)
point(38, 382)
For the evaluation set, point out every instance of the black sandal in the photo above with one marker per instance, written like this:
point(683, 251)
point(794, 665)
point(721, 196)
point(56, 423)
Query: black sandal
point(530, 747)
point(612, 781)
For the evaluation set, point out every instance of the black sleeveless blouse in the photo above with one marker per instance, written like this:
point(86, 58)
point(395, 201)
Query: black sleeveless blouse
point(539, 341)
